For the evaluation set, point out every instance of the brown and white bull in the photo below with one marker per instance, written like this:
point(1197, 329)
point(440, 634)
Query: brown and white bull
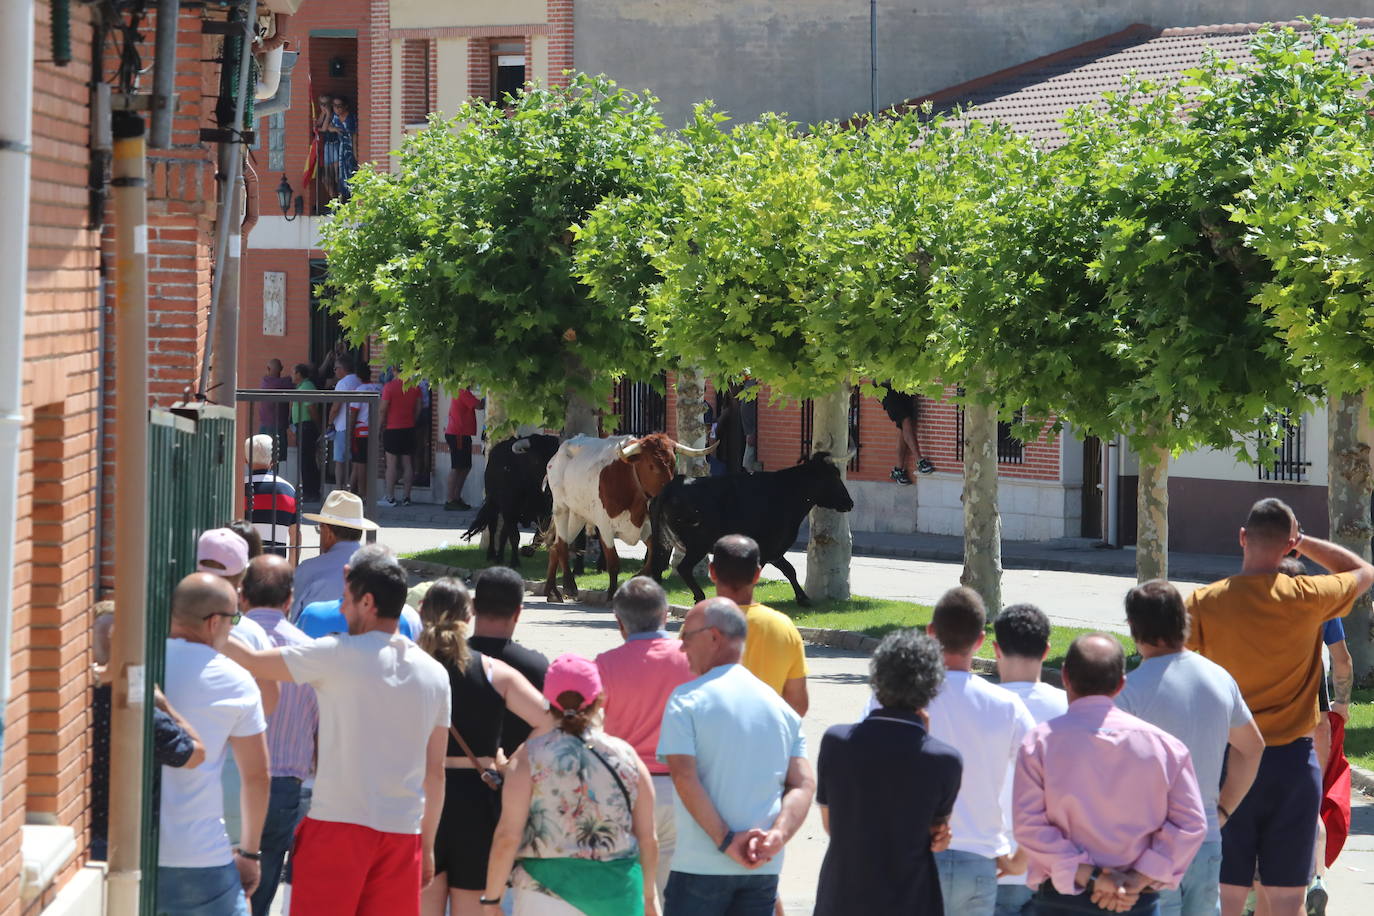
point(606, 485)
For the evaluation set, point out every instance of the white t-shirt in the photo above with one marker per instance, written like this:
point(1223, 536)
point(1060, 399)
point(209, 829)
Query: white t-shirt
point(1044, 703)
point(985, 724)
point(349, 382)
point(249, 631)
point(220, 701)
point(380, 699)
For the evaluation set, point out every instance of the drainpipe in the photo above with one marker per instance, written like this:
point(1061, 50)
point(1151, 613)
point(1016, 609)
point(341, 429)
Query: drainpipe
point(1111, 492)
point(131, 508)
point(873, 57)
point(164, 75)
point(16, 133)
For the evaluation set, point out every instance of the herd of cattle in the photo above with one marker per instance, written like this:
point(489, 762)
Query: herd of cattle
point(627, 488)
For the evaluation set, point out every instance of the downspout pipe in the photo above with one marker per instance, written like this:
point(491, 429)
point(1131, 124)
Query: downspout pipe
point(164, 100)
point(16, 136)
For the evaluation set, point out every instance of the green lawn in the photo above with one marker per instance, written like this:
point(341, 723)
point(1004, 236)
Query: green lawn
point(872, 616)
point(1359, 731)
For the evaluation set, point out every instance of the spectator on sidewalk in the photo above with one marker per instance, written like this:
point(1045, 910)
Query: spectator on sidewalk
point(1022, 641)
point(198, 871)
point(270, 500)
point(367, 845)
point(305, 421)
point(482, 689)
point(1197, 702)
point(458, 433)
point(903, 409)
point(326, 618)
point(638, 677)
point(291, 728)
point(774, 652)
point(224, 552)
point(361, 431)
point(878, 781)
point(985, 724)
point(1265, 629)
point(341, 416)
point(272, 416)
point(398, 413)
point(577, 818)
point(1106, 805)
point(738, 762)
point(342, 525)
point(498, 597)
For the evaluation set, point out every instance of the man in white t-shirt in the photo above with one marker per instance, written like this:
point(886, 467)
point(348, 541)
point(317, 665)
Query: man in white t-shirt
point(1022, 640)
point(985, 724)
point(340, 416)
point(198, 872)
point(367, 845)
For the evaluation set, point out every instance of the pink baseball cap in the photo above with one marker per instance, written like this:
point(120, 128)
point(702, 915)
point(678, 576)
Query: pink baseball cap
point(224, 549)
point(572, 672)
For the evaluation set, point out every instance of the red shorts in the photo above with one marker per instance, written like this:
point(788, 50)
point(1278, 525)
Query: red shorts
point(341, 869)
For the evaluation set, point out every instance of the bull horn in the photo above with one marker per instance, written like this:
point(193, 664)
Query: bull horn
point(695, 452)
point(628, 449)
point(520, 447)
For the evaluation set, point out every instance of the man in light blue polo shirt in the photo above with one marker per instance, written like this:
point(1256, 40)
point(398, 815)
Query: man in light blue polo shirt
point(737, 758)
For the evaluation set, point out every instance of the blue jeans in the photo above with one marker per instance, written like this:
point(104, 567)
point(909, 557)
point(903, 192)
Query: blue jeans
point(719, 895)
point(1012, 899)
point(1049, 902)
point(1198, 894)
point(285, 808)
point(968, 883)
point(214, 891)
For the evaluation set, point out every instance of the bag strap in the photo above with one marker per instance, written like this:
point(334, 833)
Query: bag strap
point(476, 764)
point(629, 805)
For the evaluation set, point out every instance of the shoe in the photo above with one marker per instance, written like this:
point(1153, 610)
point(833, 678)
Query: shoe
point(452, 505)
point(390, 501)
point(900, 476)
point(464, 506)
point(1316, 898)
point(406, 501)
point(924, 466)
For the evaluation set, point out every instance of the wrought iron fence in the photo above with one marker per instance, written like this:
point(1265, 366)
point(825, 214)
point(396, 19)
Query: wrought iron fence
point(855, 443)
point(1010, 450)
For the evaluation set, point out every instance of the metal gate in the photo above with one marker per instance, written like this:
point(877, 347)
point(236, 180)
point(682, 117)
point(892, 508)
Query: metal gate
point(191, 466)
point(639, 407)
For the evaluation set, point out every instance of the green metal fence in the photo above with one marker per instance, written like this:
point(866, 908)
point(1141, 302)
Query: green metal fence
point(191, 488)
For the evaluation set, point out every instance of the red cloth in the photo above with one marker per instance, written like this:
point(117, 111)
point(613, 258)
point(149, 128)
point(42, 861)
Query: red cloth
point(348, 868)
point(404, 401)
point(1335, 811)
point(462, 415)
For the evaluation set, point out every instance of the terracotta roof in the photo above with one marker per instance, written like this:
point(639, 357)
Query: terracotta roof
point(1032, 97)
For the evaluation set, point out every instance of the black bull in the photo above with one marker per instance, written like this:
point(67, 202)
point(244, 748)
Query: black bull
point(515, 493)
point(768, 507)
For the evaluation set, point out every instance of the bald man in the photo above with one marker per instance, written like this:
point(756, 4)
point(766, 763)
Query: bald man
point(1105, 805)
point(197, 870)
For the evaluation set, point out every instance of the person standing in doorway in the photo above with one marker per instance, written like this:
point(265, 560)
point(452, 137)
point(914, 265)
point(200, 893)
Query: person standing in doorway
point(458, 433)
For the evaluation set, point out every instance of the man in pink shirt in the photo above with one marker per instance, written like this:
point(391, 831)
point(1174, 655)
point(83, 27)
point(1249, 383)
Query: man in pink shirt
point(1105, 804)
point(638, 678)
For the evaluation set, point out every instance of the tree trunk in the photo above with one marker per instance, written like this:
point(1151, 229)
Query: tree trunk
point(580, 416)
point(691, 427)
point(982, 520)
point(830, 547)
point(495, 427)
point(1152, 516)
point(1348, 488)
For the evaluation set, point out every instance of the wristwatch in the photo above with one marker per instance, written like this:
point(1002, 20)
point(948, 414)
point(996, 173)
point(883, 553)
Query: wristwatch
point(1092, 879)
point(255, 856)
point(725, 843)
point(487, 901)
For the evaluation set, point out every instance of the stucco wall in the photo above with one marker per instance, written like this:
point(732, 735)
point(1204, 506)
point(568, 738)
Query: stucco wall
point(419, 14)
point(810, 58)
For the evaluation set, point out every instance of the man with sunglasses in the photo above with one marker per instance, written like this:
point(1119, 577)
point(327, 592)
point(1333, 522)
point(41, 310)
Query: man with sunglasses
point(198, 872)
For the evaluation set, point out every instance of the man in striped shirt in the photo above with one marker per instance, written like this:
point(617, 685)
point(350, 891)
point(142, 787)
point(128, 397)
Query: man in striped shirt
point(271, 500)
point(291, 727)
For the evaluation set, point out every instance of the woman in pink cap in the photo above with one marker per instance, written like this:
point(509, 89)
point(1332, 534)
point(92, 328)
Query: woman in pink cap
point(577, 813)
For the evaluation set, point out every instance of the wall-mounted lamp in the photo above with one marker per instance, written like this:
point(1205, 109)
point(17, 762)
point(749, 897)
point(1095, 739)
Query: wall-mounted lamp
point(284, 195)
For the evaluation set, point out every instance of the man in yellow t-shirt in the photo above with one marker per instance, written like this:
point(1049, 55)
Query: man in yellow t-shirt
point(1265, 629)
point(773, 650)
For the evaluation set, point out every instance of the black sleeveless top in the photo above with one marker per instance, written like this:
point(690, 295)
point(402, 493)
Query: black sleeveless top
point(477, 708)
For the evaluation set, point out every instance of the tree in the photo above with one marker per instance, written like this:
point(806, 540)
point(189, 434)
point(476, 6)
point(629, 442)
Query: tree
point(460, 263)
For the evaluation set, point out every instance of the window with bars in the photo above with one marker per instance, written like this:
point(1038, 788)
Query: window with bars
point(1010, 450)
point(808, 428)
point(639, 407)
point(1291, 463)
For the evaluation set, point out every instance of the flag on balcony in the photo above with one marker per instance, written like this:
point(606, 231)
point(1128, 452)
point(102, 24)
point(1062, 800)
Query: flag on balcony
point(312, 161)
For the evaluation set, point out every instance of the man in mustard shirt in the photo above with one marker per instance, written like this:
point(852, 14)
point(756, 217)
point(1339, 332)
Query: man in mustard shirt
point(773, 652)
point(1265, 629)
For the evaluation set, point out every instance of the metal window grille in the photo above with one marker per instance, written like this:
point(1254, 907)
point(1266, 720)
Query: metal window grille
point(276, 142)
point(640, 408)
point(855, 409)
point(1010, 450)
point(1291, 463)
point(808, 428)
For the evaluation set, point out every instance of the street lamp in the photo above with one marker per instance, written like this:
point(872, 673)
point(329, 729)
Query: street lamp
point(284, 195)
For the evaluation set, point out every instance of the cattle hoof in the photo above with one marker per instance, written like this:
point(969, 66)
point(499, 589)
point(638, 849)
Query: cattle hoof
point(804, 601)
point(527, 550)
point(554, 595)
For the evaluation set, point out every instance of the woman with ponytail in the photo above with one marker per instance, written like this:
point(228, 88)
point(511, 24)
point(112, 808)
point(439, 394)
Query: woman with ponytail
point(482, 689)
point(577, 818)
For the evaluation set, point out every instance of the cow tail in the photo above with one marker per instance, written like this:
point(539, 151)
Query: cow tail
point(486, 517)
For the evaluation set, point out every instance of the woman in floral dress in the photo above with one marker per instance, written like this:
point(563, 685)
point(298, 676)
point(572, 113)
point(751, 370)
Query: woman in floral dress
point(577, 813)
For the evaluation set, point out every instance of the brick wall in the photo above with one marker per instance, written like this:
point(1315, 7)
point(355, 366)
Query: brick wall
point(374, 85)
point(416, 85)
point(560, 17)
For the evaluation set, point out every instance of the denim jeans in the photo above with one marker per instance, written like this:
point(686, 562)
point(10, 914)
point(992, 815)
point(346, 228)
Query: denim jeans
point(285, 808)
point(719, 895)
point(1049, 902)
point(214, 891)
point(1198, 894)
point(968, 882)
point(1013, 899)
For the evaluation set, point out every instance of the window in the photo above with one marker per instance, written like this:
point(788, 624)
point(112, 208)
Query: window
point(1291, 462)
point(507, 68)
point(639, 407)
point(276, 142)
point(1010, 450)
point(855, 405)
point(808, 428)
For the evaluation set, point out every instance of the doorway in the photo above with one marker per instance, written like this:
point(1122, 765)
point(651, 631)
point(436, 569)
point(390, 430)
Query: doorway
point(1092, 488)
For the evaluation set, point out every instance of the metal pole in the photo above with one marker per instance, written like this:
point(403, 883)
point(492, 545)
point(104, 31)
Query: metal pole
point(131, 508)
point(227, 240)
point(873, 56)
point(164, 75)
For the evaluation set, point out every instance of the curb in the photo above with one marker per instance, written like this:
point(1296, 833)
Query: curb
point(1362, 779)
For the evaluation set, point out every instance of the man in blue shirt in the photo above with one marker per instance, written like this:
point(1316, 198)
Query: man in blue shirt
point(733, 819)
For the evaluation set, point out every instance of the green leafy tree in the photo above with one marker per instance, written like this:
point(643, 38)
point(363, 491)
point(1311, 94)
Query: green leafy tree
point(461, 262)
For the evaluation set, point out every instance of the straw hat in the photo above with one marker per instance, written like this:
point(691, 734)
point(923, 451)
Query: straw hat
point(343, 509)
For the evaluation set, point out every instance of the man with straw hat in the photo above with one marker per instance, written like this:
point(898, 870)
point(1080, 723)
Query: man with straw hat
point(342, 525)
